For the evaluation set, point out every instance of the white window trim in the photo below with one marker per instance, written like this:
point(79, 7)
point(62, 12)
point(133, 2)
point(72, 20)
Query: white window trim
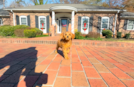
point(1, 22)
point(127, 25)
point(101, 22)
point(23, 17)
point(88, 22)
point(45, 22)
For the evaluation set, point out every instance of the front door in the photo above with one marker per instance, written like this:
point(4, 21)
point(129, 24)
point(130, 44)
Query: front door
point(64, 25)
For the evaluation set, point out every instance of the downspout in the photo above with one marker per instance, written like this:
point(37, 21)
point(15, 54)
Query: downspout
point(13, 18)
point(115, 22)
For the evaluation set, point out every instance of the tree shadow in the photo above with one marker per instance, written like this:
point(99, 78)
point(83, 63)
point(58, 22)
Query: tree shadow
point(22, 63)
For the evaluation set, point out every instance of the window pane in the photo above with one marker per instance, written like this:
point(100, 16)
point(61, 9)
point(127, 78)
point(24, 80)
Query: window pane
point(42, 23)
point(23, 21)
point(104, 26)
point(105, 20)
point(130, 26)
point(130, 22)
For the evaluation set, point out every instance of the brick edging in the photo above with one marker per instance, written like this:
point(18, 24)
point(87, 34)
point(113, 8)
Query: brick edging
point(75, 42)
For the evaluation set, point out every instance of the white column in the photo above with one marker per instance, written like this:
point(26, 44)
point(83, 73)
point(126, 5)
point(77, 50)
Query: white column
point(72, 25)
point(13, 19)
point(53, 18)
point(115, 22)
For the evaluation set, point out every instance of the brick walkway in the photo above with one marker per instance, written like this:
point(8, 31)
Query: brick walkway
point(36, 65)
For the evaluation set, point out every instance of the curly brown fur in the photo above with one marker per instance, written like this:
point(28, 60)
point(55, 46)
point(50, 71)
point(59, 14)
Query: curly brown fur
point(65, 43)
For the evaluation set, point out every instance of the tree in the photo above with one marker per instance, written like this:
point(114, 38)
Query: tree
point(2, 3)
point(14, 5)
point(92, 2)
point(39, 2)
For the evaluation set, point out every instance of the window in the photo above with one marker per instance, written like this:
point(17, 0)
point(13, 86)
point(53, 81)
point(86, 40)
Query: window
point(23, 20)
point(1, 22)
point(105, 23)
point(85, 25)
point(130, 25)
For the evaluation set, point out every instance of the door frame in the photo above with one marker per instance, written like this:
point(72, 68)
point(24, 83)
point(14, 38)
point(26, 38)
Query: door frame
point(44, 31)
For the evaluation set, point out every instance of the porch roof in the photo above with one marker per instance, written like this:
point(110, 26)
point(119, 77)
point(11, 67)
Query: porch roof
point(127, 15)
point(4, 13)
point(79, 7)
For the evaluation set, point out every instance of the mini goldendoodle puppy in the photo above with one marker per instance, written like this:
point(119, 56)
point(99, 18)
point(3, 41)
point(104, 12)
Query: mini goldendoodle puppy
point(65, 43)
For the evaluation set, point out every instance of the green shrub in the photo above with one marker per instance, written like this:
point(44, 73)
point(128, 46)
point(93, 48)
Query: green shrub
point(93, 35)
point(38, 32)
point(108, 36)
point(77, 35)
point(119, 34)
point(30, 33)
point(127, 36)
point(107, 33)
point(104, 32)
point(20, 27)
point(19, 32)
point(6, 30)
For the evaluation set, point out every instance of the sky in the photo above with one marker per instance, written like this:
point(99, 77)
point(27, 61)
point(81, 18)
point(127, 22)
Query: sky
point(8, 2)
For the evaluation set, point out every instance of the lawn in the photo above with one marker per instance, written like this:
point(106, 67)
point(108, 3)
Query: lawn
point(109, 39)
point(22, 37)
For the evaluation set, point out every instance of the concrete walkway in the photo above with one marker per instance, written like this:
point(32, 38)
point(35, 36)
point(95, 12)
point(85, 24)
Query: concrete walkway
point(25, 65)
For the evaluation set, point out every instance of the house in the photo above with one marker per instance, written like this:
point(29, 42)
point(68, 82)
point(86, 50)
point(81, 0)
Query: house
point(4, 17)
point(57, 18)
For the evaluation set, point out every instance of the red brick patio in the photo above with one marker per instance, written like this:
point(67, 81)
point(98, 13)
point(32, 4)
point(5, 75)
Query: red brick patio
point(88, 66)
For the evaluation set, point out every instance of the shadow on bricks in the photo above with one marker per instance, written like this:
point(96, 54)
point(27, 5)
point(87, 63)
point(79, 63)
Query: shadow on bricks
point(61, 53)
point(18, 69)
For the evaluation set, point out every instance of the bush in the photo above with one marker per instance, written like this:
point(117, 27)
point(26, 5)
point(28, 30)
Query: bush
point(19, 32)
point(127, 36)
point(119, 34)
point(104, 32)
point(30, 33)
point(20, 27)
point(107, 33)
point(93, 35)
point(38, 32)
point(6, 30)
point(77, 35)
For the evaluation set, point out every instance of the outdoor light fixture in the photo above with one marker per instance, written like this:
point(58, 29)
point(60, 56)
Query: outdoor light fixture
point(57, 19)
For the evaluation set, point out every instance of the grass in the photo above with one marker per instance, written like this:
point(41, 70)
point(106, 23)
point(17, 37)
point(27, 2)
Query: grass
point(13, 36)
point(108, 39)
point(42, 35)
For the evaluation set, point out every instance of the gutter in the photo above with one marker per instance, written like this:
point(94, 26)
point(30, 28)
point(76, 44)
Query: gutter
point(116, 21)
point(13, 17)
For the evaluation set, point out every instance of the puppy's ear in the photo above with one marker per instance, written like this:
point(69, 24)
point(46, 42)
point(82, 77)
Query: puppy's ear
point(62, 35)
point(73, 36)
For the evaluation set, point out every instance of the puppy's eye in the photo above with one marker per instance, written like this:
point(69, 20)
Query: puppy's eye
point(65, 34)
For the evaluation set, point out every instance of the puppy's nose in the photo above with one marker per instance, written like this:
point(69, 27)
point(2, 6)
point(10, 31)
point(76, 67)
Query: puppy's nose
point(67, 36)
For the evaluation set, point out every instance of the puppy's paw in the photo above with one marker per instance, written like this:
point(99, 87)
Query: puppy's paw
point(67, 58)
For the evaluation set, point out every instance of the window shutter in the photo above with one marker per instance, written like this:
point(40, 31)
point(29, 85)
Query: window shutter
point(47, 20)
point(36, 22)
point(90, 23)
point(125, 24)
point(79, 23)
point(28, 20)
point(111, 23)
point(99, 25)
point(67, 24)
point(17, 20)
